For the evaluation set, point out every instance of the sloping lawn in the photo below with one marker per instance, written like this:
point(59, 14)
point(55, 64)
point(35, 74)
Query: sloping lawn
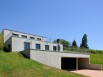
point(97, 59)
point(13, 64)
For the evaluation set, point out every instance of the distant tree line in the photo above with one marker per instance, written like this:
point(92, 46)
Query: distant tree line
point(66, 44)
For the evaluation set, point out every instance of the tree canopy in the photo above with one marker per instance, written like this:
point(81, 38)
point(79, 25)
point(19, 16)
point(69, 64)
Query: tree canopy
point(64, 42)
point(74, 44)
point(84, 42)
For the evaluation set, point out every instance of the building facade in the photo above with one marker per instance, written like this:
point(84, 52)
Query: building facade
point(19, 41)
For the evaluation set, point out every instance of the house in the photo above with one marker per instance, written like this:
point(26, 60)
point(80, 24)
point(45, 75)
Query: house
point(38, 48)
point(19, 41)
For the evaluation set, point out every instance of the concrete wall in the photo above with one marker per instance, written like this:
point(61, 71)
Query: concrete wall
point(52, 58)
point(7, 43)
point(84, 63)
point(18, 44)
point(26, 53)
point(7, 35)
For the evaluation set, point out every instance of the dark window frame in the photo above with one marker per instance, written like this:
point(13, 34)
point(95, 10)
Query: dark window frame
point(32, 38)
point(23, 36)
point(39, 39)
point(26, 45)
point(46, 47)
point(37, 46)
point(54, 48)
point(15, 35)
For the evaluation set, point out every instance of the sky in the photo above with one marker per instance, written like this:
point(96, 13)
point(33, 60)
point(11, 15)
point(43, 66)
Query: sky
point(65, 19)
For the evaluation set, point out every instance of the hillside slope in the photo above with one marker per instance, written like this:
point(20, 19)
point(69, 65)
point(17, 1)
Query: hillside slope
point(13, 64)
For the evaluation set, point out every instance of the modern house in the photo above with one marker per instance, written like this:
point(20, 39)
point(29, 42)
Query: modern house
point(19, 41)
point(38, 48)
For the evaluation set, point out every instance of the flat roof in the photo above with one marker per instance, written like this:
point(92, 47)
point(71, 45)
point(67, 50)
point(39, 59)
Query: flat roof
point(24, 33)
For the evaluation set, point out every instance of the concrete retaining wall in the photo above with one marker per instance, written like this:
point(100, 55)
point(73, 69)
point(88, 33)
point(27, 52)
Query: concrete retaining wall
point(53, 59)
point(84, 63)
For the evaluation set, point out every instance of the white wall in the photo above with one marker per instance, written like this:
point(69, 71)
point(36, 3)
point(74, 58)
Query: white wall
point(52, 58)
point(18, 44)
point(7, 32)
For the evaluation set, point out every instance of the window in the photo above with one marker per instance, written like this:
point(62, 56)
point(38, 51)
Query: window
point(39, 39)
point(46, 47)
point(32, 38)
point(26, 45)
point(54, 48)
point(37, 46)
point(23, 36)
point(15, 35)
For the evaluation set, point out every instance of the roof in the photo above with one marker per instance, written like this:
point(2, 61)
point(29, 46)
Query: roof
point(24, 33)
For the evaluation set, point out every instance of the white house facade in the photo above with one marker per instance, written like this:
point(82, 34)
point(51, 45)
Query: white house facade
point(19, 41)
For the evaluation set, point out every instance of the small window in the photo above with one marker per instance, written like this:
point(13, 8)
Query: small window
point(39, 39)
point(15, 35)
point(46, 47)
point(37, 46)
point(32, 38)
point(23, 36)
point(54, 48)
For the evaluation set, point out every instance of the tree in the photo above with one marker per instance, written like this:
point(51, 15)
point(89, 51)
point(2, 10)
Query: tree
point(62, 41)
point(84, 42)
point(1, 42)
point(74, 44)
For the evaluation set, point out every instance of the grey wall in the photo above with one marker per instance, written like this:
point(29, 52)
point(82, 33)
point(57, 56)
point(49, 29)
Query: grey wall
point(84, 63)
point(6, 44)
point(52, 58)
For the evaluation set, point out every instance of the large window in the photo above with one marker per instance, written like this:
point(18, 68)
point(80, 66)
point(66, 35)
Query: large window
point(23, 36)
point(54, 48)
point(46, 47)
point(37, 46)
point(26, 45)
point(15, 35)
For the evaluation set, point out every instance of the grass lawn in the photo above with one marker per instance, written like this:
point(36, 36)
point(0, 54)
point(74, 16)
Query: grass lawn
point(13, 64)
point(97, 59)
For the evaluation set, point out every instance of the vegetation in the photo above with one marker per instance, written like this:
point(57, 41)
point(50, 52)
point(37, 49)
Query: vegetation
point(96, 59)
point(84, 42)
point(1, 42)
point(74, 44)
point(64, 42)
point(13, 64)
point(78, 50)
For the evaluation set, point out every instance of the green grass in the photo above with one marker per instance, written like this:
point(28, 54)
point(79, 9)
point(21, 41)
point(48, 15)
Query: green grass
point(97, 59)
point(13, 64)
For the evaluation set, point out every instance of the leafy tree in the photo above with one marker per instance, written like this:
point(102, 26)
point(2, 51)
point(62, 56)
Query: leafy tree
point(84, 42)
point(64, 42)
point(1, 42)
point(74, 44)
